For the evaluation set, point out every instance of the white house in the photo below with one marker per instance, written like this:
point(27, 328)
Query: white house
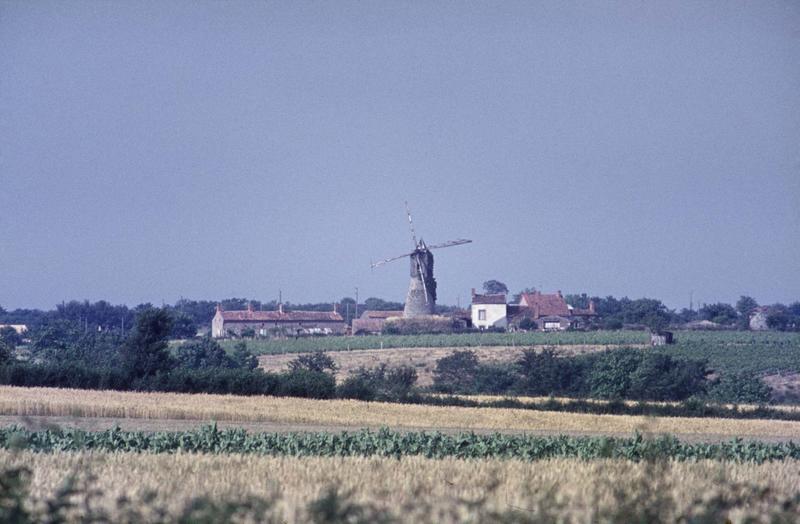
point(489, 311)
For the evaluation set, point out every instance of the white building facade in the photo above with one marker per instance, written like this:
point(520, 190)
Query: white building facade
point(489, 311)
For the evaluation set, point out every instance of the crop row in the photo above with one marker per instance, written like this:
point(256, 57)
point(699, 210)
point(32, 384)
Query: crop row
point(386, 443)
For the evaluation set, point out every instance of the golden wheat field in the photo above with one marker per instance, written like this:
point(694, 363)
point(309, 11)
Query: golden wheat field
point(418, 489)
point(290, 412)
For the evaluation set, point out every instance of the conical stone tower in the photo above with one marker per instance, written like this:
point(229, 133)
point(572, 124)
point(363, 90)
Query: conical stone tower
point(421, 297)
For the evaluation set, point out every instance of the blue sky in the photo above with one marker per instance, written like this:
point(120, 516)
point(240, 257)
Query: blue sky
point(154, 150)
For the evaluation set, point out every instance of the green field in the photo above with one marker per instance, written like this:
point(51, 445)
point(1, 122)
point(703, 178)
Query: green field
point(740, 351)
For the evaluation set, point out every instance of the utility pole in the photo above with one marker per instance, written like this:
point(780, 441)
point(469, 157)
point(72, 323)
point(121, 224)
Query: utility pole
point(355, 315)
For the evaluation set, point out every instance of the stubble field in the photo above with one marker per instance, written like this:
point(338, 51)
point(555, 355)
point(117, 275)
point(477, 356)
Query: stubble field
point(289, 414)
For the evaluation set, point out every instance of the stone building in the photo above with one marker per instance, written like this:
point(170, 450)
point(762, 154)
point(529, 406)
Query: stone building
point(277, 323)
point(758, 319)
point(372, 321)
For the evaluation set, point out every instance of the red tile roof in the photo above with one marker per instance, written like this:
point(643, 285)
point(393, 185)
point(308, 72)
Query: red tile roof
point(281, 316)
point(544, 305)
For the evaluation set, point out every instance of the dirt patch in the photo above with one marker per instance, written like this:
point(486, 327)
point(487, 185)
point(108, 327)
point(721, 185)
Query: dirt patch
point(785, 387)
point(421, 359)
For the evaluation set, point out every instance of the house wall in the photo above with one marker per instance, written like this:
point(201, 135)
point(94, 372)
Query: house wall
point(263, 328)
point(217, 326)
point(758, 321)
point(496, 316)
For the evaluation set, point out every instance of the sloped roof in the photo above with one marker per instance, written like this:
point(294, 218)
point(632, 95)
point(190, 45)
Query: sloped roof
point(545, 304)
point(281, 316)
point(499, 298)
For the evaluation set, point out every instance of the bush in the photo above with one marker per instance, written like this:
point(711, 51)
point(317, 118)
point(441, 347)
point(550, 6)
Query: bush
point(661, 377)
point(205, 353)
point(628, 373)
point(494, 379)
point(543, 373)
point(308, 384)
point(740, 388)
point(318, 362)
point(10, 337)
point(63, 375)
point(456, 373)
point(421, 326)
point(242, 356)
point(610, 376)
point(380, 383)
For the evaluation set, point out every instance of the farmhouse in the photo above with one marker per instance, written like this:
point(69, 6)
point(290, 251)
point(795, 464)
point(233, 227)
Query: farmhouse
point(489, 311)
point(372, 321)
point(550, 312)
point(276, 323)
point(758, 319)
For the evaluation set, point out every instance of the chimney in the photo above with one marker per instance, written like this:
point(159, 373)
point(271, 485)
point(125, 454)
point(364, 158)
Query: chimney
point(219, 307)
point(558, 292)
point(334, 307)
point(473, 292)
point(280, 307)
point(591, 306)
point(250, 307)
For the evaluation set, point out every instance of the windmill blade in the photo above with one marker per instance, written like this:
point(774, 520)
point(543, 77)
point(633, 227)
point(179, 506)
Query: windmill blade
point(422, 277)
point(411, 224)
point(382, 262)
point(450, 243)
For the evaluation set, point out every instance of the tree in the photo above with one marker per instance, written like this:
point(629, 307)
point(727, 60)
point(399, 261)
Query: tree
point(648, 311)
point(205, 353)
point(6, 352)
point(494, 287)
point(318, 362)
point(517, 297)
point(456, 373)
point(242, 356)
point(745, 305)
point(377, 304)
point(183, 326)
point(779, 317)
point(10, 336)
point(720, 313)
point(145, 352)
point(578, 301)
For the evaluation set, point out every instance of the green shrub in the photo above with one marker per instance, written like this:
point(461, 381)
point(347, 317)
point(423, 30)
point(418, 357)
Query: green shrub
point(307, 383)
point(455, 373)
point(740, 388)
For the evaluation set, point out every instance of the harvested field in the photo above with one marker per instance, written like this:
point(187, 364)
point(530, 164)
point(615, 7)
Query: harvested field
point(534, 400)
point(421, 359)
point(417, 489)
point(785, 386)
point(291, 412)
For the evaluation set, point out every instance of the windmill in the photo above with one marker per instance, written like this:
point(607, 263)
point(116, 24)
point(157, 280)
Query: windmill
point(421, 298)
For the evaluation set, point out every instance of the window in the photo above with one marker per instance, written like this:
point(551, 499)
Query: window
point(481, 314)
